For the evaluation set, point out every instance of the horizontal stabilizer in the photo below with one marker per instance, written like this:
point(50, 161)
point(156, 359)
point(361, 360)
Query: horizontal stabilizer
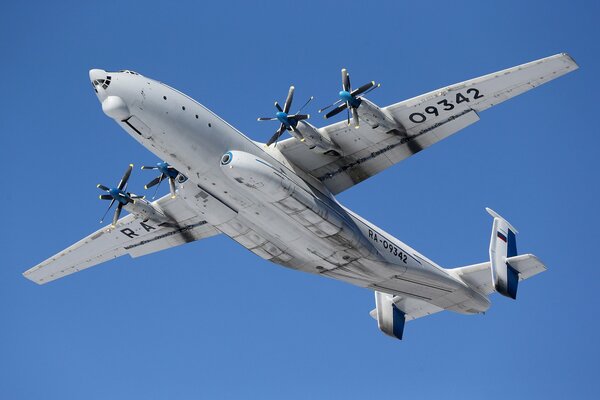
point(478, 275)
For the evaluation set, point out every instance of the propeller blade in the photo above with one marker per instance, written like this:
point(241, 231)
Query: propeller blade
point(305, 104)
point(125, 177)
point(345, 80)
point(160, 179)
point(172, 187)
point(276, 135)
point(373, 88)
point(266, 119)
point(106, 197)
point(135, 196)
point(362, 89)
point(146, 167)
point(336, 110)
point(278, 107)
point(331, 105)
point(154, 181)
point(107, 210)
point(288, 100)
point(117, 214)
point(348, 114)
point(355, 118)
point(102, 187)
point(300, 117)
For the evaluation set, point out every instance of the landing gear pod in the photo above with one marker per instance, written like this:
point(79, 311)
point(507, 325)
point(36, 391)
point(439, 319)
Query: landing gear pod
point(390, 319)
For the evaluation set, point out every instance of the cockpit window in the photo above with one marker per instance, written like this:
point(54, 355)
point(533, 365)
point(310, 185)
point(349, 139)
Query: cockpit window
point(126, 71)
point(104, 83)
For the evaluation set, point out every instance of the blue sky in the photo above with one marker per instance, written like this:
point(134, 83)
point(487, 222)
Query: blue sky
point(211, 320)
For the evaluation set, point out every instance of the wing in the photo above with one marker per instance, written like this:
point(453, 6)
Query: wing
point(417, 123)
point(131, 235)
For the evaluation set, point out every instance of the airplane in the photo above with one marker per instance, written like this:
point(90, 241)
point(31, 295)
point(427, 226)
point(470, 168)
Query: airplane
point(277, 199)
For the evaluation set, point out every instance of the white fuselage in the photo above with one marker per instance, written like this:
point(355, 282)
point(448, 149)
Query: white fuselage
point(266, 204)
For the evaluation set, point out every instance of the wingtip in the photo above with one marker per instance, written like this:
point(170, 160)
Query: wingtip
point(571, 59)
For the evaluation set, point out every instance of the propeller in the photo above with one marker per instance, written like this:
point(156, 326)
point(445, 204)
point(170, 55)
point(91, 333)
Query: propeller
point(349, 99)
point(118, 195)
point(288, 121)
point(166, 172)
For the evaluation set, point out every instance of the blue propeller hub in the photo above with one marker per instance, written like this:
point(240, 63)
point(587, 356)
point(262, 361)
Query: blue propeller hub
point(348, 98)
point(119, 195)
point(283, 118)
point(163, 167)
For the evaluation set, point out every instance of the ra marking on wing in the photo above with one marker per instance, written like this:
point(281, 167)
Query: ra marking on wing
point(130, 233)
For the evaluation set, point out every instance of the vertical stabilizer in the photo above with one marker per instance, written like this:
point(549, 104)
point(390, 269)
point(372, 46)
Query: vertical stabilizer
point(503, 245)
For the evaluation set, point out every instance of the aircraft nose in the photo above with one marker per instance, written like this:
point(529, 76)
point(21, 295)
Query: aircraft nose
point(100, 81)
point(96, 74)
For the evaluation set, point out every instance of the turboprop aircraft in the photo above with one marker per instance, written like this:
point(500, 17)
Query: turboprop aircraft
point(277, 198)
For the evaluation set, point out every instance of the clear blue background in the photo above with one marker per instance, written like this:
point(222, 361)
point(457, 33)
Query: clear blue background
point(210, 319)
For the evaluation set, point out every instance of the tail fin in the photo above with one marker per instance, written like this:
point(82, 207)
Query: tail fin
point(503, 245)
point(505, 266)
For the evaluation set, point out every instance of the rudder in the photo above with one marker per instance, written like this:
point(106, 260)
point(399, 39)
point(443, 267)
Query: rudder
point(503, 245)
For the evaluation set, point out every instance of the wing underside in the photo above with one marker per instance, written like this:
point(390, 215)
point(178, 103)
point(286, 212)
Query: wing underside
point(131, 235)
point(419, 122)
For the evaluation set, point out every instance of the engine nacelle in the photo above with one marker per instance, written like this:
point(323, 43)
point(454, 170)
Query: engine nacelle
point(375, 117)
point(314, 139)
point(146, 211)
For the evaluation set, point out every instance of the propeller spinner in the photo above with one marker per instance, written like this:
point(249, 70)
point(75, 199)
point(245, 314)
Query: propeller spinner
point(349, 99)
point(288, 122)
point(166, 172)
point(119, 195)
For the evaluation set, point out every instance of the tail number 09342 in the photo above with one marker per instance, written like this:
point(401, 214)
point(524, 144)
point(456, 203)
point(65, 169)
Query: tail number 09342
point(445, 105)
